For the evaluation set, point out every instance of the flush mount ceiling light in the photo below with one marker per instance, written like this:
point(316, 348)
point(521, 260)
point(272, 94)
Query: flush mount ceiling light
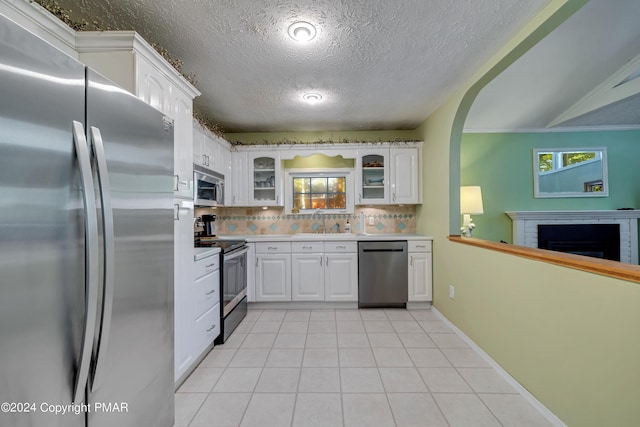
point(302, 31)
point(312, 98)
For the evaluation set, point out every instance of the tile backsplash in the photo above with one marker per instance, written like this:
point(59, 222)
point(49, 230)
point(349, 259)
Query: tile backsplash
point(247, 221)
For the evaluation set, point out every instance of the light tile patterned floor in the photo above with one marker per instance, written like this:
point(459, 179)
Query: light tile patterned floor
point(348, 368)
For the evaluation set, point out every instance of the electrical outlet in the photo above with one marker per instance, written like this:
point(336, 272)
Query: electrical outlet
point(452, 292)
point(371, 220)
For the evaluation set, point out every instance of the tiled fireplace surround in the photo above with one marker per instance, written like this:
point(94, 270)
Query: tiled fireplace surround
point(249, 221)
point(525, 226)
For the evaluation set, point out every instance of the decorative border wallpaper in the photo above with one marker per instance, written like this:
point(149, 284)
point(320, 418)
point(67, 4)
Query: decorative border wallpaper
point(247, 221)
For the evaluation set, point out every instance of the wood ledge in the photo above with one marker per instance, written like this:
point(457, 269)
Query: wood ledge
point(603, 267)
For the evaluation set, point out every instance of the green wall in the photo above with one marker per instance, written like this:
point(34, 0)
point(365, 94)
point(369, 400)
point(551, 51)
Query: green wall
point(319, 161)
point(568, 336)
point(502, 164)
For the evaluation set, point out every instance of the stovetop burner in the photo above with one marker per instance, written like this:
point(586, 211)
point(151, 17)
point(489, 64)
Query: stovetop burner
point(224, 245)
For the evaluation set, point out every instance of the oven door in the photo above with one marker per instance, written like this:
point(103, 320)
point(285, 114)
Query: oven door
point(234, 279)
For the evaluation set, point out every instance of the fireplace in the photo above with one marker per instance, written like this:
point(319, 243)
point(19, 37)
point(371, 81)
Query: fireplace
point(594, 240)
point(525, 229)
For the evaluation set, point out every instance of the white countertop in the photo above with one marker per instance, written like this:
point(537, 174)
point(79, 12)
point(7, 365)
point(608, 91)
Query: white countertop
point(200, 253)
point(321, 236)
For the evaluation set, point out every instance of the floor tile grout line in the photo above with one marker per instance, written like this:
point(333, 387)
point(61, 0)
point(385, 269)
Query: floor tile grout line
point(404, 346)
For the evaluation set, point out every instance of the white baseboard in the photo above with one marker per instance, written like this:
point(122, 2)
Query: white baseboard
point(550, 416)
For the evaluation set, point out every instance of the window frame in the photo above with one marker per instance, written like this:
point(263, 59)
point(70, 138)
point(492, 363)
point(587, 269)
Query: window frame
point(347, 173)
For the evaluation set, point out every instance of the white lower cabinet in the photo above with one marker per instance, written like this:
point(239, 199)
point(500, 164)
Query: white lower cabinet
point(273, 272)
point(197, 313)
point(324, 271)
point(341, 280)
point(207, 328)
point(420, 270)
point(307, 280)
point(183, 284)
point(341, 271)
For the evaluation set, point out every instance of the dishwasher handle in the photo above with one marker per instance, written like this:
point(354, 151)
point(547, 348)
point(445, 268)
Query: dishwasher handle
point(383, 246)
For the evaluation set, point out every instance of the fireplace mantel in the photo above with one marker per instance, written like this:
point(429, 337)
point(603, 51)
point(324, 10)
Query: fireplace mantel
point(525, 226)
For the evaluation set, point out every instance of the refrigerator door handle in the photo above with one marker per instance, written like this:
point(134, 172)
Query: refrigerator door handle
point(91, 260)
point(108, 260)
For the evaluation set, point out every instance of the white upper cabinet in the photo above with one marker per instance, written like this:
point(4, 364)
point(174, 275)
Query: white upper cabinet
point(265, 179)
point(224, 163)
point(238, 188)
point(182, 113)
point(198, 146)
point(405, 183)
point(128, 60)
point(372, 181)
point(210, 151)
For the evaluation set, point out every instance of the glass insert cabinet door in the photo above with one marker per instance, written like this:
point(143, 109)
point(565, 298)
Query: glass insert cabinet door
point(373, 177)
point(570, 172)
point(265, 180)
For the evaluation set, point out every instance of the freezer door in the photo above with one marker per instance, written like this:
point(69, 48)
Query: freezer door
point(42, 235)
point(133, 353)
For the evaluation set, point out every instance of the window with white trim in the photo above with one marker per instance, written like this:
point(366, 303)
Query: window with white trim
point(328, 190)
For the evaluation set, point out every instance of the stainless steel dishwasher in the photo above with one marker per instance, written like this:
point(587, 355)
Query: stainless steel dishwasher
point(382, 274)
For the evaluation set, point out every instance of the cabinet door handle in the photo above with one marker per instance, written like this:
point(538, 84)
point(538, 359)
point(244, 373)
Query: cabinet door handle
point(321, 261)
point(394, 196)
point(211, 328)
point(307, 247)
point(341, 247)
point(210, 265)
point(256, 262)
point(420, 246)
point(176, 182)
point(271, 248)
point(176, 212)
point(211, 292)
point(360, 196)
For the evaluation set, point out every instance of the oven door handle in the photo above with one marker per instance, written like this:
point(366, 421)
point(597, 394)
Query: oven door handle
point(236, 254)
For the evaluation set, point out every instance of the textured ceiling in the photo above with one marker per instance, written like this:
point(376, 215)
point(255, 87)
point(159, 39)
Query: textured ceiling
point(379, 64)
point(580, 55)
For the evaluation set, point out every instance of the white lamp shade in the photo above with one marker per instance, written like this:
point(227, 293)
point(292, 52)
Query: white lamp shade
point(471, 200)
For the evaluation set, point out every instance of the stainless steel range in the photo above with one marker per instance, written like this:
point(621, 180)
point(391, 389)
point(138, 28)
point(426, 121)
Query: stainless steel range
point(233, 283)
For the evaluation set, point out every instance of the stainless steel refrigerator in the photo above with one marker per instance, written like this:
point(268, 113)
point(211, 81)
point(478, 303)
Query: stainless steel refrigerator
point(86, 245)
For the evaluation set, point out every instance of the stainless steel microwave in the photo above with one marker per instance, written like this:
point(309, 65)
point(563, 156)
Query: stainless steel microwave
point(208, 187)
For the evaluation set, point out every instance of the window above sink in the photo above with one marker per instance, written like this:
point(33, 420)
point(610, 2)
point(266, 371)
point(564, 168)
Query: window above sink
point(310, 190)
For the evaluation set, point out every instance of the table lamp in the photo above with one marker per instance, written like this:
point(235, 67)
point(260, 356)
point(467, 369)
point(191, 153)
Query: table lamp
point(470, 204)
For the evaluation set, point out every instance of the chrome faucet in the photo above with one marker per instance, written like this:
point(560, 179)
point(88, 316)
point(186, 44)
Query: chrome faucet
point(315, 215)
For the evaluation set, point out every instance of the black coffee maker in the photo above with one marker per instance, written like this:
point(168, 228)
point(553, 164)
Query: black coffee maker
point(209, 227)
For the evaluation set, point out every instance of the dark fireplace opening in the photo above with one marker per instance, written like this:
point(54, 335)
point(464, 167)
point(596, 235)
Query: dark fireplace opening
point(594, 240)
